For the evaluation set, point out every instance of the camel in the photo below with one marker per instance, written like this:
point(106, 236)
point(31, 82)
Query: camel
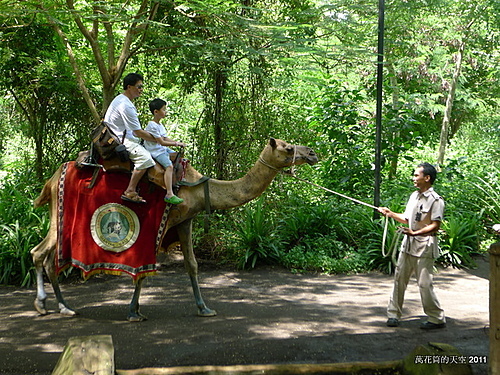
point(276, 155)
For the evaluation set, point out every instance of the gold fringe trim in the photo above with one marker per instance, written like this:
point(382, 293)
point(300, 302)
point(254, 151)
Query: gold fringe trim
point(136, 278)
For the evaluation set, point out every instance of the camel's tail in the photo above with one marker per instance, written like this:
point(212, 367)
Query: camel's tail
point(46, 194)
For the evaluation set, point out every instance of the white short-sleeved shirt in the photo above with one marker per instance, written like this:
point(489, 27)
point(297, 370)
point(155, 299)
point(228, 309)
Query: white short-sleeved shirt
point(157, 130)
point(122, 115)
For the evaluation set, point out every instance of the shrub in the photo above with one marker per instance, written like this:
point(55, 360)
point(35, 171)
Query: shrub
point(489, 196)
point(20, 230)
point(323, 254)
point(460, 240)
point(254, 236)
point(315, 240)
point(378, 258)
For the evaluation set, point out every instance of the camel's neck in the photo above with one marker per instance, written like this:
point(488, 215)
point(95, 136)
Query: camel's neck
point(229, 194)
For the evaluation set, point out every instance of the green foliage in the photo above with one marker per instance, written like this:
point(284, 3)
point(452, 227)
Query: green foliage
point(305, 220)
point(21, 228)
point(323, 253)
point(304, 238)
point(460, 240)
point(347, 136)
point(377, 258)
point(488, 188)
point(311, 240)
point(52, 113)
point(297, 70)
point(254, 236)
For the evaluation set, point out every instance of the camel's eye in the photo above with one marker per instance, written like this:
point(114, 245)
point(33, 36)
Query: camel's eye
point(289, 149)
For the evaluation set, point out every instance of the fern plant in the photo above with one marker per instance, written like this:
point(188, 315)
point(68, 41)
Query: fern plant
point(255, 237)
point(489, 197)
point(460, 240)
point(381, 255)
point(21, 228)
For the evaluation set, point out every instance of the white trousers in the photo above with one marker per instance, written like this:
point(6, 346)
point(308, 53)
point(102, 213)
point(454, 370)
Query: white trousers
point(422, 267)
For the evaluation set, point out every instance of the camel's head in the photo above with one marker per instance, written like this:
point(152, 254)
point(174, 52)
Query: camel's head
point(281, 154)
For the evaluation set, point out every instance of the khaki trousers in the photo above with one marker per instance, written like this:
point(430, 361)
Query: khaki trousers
point(407, 265)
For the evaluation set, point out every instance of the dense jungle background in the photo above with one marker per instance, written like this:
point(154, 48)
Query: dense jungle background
point(237, 72)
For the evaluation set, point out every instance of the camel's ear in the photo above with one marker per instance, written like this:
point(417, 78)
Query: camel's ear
point(272, 142)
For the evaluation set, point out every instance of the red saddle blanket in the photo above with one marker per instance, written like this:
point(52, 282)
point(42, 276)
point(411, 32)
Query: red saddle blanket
point(100, 233)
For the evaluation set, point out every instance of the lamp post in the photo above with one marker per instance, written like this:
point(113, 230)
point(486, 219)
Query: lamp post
point(378, 131)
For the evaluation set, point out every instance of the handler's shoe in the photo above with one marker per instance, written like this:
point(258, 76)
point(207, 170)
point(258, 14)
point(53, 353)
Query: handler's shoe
point(392, 322)
point(429, 325)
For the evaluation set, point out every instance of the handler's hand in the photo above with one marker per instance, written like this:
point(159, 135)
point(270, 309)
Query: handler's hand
point(384, 211)
point(407, 231)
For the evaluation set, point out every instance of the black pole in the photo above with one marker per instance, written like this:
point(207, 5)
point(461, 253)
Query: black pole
point(378, 131)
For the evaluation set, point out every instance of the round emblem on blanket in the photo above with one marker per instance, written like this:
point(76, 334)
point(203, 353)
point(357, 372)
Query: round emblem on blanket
point(114, 227)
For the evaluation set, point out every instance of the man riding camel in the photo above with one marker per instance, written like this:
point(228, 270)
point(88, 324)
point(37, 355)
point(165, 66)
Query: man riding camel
point(121, 117)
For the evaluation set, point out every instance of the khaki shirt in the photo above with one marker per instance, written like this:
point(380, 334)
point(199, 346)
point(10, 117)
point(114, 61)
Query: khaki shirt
point(421, 210)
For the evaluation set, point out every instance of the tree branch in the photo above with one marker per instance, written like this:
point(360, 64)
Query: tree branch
point(78, 75)
point(91, 38)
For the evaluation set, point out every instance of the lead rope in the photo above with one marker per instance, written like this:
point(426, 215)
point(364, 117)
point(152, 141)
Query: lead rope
point(395, 239)
point(393, 246)
point(291, 172)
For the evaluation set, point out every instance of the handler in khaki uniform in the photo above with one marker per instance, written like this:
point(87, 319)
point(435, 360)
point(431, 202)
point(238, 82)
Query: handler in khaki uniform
point(423, 214)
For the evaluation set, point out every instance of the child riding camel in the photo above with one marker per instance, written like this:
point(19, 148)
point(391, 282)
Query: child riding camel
point(159, 150)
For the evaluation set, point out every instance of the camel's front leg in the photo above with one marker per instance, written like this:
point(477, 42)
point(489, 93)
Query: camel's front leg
point(133, 314)
point(184, 229)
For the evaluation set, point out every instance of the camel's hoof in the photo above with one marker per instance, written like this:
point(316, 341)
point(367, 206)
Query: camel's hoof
point(206, 312)
point(64, 310)
point(136, 317)
point(40, 306)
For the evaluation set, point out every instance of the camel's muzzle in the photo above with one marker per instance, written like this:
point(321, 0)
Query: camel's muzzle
point(311, 158)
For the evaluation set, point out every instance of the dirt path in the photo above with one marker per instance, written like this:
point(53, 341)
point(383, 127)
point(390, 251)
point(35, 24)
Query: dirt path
point(264, 316)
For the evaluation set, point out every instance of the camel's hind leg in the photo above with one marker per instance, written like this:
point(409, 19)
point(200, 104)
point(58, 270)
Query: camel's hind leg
point(64, 309)
point(43, 254)
point(134, 315)
point(184, 229)
point(41, 295)
point(43, 258)
point(39, 253)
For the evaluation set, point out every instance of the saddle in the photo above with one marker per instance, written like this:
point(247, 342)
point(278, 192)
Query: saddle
point(88, 159)
point(114, 164)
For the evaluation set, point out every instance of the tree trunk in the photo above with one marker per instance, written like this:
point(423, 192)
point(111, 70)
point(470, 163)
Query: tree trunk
point(112, 68)
point(445, 127)
point(78, 75)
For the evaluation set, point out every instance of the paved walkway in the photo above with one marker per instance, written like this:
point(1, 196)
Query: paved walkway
point(264, 316)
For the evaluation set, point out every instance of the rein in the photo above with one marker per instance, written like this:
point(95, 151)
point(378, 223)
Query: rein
point(291, 172)
point(395, 239)
point(334, 192)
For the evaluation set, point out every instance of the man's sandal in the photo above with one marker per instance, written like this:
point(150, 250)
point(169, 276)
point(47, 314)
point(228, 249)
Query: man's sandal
point(132, 197)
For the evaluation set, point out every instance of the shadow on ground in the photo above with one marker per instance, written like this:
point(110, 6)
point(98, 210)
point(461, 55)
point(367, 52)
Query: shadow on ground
point(265, 316)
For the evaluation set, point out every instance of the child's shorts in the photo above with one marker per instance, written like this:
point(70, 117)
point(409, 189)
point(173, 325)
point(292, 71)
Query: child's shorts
point(164, 159)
